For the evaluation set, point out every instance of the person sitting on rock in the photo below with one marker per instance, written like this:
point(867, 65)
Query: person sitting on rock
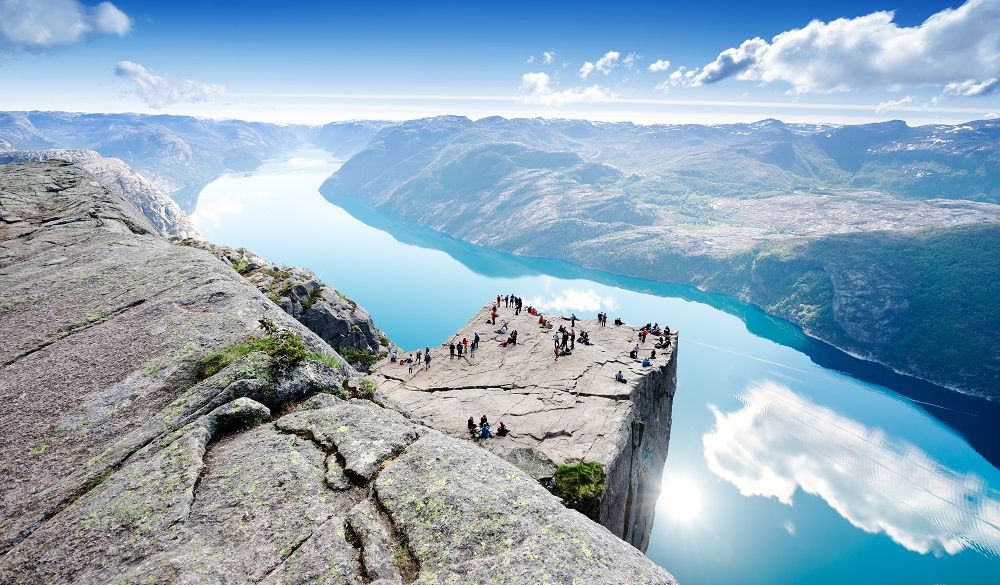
point(502, 430)
point(484, 431)
point(619, 377)
point(618, 321)
point(483, 420)
point(503, 328)
point(652, 355)
point(392, 355)
point(645, 363)
point(472, 426)
point(633, 354)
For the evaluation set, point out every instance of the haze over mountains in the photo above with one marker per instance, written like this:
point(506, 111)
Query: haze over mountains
point(880, 239)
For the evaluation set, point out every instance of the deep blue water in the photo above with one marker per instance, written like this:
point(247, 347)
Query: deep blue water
point(790, 462)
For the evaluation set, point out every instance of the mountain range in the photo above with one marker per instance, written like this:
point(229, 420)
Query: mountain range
point(880, 239)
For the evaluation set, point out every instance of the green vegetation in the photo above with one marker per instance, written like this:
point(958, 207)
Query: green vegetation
point(330, 362)
point(581, 485)
point(360, 358)
point(284, 348)
point(383, 340)
point(314, 295)
point(367, 389)
point(242, 266)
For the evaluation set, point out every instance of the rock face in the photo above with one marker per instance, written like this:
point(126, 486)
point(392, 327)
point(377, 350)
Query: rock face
point(129, 460)
point(115, 175)
point(564, 411)
point(338, 320)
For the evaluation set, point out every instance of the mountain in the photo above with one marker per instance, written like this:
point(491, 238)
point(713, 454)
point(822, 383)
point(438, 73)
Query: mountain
point(866, 236)
point(116, 176)
point(178, 154)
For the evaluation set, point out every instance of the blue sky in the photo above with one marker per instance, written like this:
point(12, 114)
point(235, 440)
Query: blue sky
point(320, 61)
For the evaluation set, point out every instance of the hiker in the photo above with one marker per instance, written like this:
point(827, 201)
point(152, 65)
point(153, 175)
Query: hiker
point(652, 355)
point(392, 355)
point(645, 363)
point(472, 426)
point(484, 431)
point(409, 364)
point(572, 338)
point(483, 420)
point(465, 345)
point(451, 350)
point(502, 330)
point(502, 430)
point(619, 377)
point(427, 359)
point(459, 348)
point(420, 357)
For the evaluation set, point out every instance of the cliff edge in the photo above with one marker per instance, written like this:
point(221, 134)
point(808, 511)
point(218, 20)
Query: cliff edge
point(562, 413)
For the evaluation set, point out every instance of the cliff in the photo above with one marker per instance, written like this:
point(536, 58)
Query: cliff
point(560, 412)
point(165, 422)
point(114, 175)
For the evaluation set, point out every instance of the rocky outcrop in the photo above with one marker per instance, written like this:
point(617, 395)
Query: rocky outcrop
point(565, 411)
point(165, 422)
point(113, 174)
point(337, 319)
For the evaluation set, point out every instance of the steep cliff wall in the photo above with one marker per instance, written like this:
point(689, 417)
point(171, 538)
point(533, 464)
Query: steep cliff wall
point(560, 412)
point(164, 421)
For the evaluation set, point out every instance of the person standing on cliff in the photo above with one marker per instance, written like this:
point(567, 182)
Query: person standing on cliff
point(427, 358)
point(451, 350)
point(572, 339)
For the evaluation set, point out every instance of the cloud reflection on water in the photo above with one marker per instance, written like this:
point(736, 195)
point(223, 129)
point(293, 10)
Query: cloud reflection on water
point(779, 442)
point(570, 299)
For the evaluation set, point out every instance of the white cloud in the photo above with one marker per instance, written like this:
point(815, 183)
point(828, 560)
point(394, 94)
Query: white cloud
point(37, 25)
point(629, 61)
point(548, 56)
point(160, 92)
point(870, 52)
point(109, 20)
point(530, 59)
point(971, 87)
point(991, 116)
point(890, 105)
point(659, 65)
point(780, 442)
point(789, 527)
point(536, 89)
point(605, 64)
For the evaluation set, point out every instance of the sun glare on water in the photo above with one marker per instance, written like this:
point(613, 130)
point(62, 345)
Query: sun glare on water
point(680, 500)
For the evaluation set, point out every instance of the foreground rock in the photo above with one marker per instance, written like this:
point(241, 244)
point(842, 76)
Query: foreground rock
point(141, 444)
point(565, 411)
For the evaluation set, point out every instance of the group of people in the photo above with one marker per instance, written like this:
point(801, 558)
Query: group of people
point(510, 301)
point(424, 355)
point(458, 348)
point(565, 340)
point(483, 431)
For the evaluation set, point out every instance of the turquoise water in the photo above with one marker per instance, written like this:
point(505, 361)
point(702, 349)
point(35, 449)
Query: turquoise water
point(789, 461)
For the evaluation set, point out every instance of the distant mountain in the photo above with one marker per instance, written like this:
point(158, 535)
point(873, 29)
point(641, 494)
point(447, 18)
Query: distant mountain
point(836, 228)
point(177, 154)
point(116, 176)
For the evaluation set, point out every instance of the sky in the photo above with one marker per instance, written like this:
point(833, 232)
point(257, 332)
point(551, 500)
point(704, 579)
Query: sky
point(646, 62)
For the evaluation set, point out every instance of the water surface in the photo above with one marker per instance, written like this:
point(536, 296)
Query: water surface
point(789, 462)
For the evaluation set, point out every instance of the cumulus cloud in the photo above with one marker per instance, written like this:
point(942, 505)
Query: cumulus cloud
point(548, 56)
point(605, 64)
point(991, 116)
point(971, 87)
point(530, 59)
point(780, 442)
point(659, 65)
point(871, 51)
point(890, 105)
point(34, 25)
point(159, 92)
point(536, 89)
point(629, 61)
